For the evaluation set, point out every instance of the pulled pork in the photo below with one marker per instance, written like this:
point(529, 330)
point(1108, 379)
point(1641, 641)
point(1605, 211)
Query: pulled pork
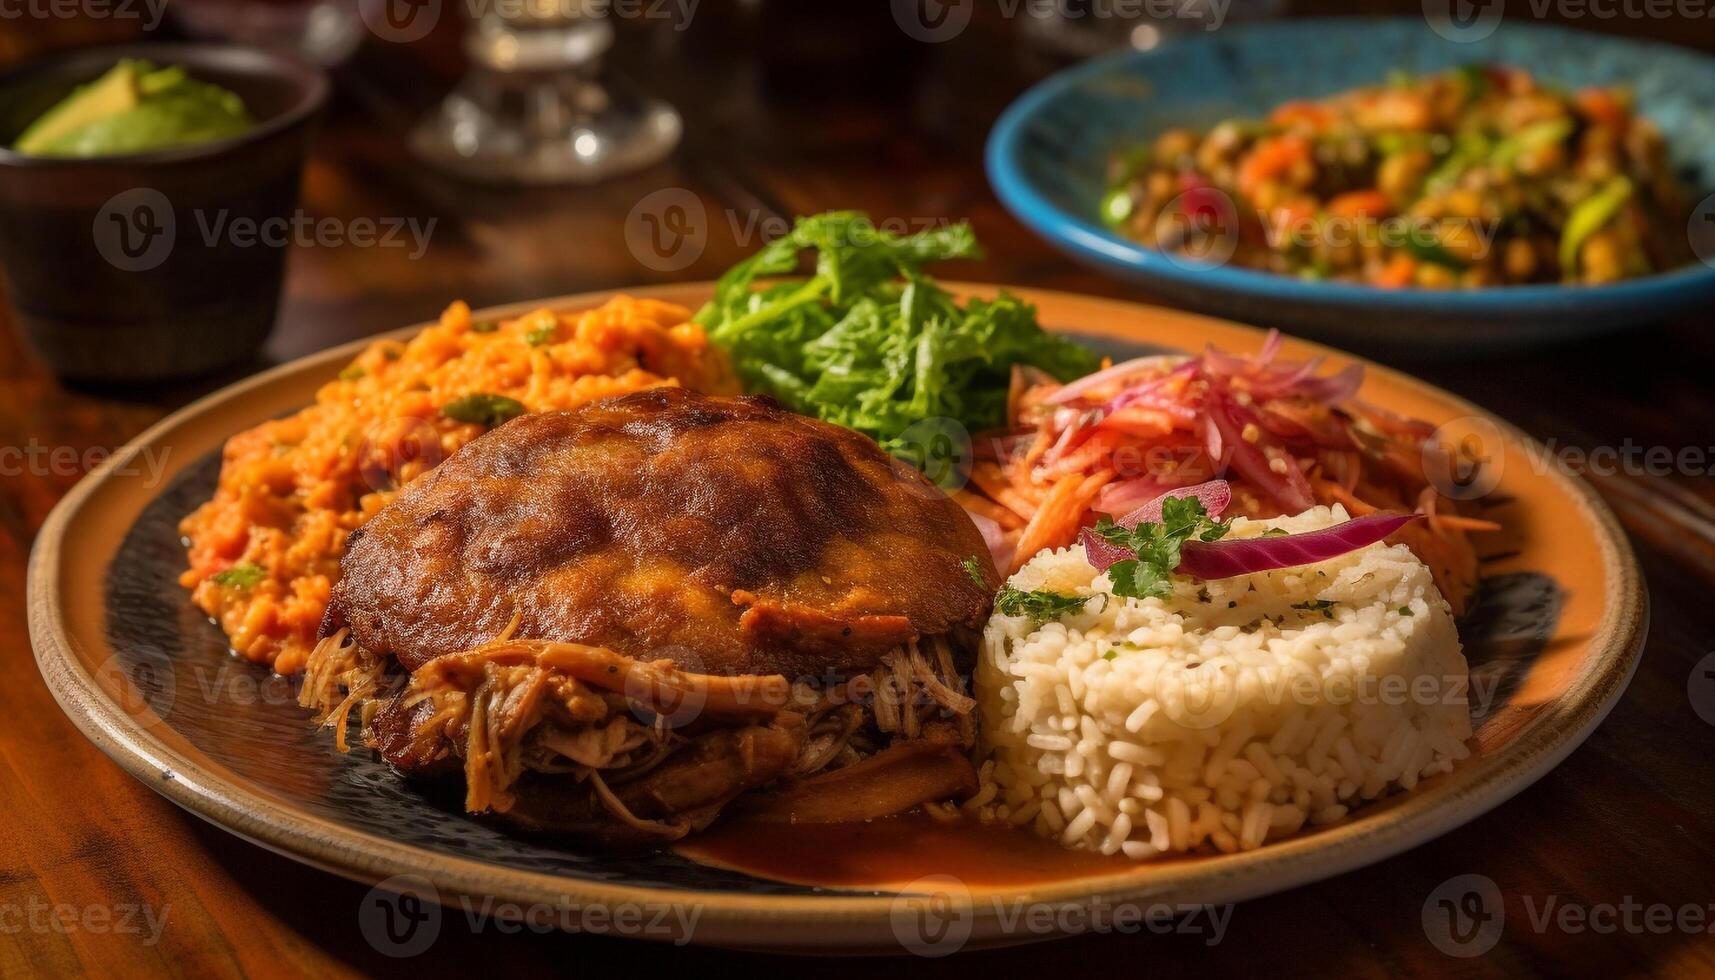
point(583, 741)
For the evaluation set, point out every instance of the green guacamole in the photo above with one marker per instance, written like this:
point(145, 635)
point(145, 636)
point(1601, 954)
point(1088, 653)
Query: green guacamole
point(134, 108)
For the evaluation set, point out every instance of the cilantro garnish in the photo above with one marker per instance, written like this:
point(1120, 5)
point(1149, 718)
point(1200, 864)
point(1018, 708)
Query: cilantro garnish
point(1041, 606)
point(243, 575)
point(974, 568)
point(540, 336)
point(483, 409)
point(1323, 606)
point(1157, 545)
point(484, 326)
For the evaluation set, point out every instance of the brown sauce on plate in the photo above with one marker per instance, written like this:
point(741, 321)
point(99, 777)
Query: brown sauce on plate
point(894, 851)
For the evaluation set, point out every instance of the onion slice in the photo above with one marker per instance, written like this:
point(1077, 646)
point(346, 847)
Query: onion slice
point(1225, 559)
point(1100, 553)
point(1214, 496)
point(1121, 370)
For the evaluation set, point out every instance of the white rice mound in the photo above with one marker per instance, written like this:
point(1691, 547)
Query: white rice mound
point(1235, 712)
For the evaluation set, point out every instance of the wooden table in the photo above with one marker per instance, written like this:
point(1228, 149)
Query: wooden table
point(1626, 820)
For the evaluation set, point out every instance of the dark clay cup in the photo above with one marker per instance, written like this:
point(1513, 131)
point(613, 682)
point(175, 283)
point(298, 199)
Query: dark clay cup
point(128, 268)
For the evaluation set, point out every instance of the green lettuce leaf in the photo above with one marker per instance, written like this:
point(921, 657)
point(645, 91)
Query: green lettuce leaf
point(869, 341)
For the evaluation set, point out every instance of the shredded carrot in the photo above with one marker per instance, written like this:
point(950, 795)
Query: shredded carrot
point(1055, 521)
point(1347, 452)
point(989, 478)
point(1326, 490)
point(993, 511)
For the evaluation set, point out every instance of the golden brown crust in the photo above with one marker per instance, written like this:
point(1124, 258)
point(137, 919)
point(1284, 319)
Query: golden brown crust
point(725, 534)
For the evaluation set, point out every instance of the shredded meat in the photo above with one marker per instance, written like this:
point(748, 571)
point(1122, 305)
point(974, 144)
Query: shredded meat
point(726, 534)
point(702, 598)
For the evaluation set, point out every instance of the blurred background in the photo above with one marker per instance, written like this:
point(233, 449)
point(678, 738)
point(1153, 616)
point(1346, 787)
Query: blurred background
point(756, 109)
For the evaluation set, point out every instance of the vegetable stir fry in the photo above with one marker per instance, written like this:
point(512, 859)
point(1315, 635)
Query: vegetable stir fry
point(1478, 176)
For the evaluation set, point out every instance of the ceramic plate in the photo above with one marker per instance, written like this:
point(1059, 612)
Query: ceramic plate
point(1552, 641)
point(1047, 159)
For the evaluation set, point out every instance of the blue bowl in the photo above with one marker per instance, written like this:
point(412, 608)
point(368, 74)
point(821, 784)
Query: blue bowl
point(1047, 159)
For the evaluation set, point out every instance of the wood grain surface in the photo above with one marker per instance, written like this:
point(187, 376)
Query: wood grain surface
point(790, 111)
